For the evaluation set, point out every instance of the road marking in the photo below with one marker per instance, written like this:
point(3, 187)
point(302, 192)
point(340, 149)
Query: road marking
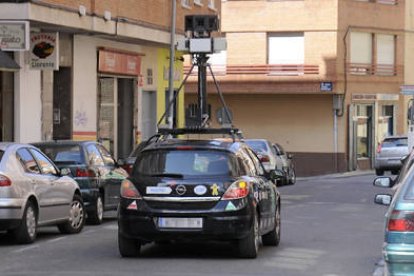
point(56, 239)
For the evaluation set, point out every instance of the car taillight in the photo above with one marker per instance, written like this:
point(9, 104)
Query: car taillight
point(379, 148)
point(264, 158)
point(237, 190)
point(84, 173)
point(401, 221)
point(128, 168)
point(5, 181)
point(128, 190)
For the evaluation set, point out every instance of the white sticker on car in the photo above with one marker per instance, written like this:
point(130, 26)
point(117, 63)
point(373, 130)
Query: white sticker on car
point(200, 190)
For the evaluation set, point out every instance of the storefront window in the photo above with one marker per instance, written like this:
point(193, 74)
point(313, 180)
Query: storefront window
point(364, 130)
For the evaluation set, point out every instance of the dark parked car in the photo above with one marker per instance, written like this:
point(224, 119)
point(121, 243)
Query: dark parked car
point(95, 170)
point(198, 190)
point(34, 192)
point(288, 167)
point(389, 154)
point(128, 162)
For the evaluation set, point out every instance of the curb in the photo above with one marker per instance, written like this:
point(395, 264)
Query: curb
point(339, 175)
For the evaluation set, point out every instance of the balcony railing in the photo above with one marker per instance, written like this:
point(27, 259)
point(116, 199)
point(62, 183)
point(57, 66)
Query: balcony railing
point(265, 69)
point(365, 69)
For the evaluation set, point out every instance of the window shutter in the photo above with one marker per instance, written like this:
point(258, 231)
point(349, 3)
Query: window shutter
point(361, 48)
point(286, 48)
point(385, 49)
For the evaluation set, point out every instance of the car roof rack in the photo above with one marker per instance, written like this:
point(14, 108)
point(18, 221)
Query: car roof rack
point(234, 133)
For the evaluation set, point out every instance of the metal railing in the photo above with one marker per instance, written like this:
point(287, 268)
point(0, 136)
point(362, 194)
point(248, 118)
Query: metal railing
point(365, 69)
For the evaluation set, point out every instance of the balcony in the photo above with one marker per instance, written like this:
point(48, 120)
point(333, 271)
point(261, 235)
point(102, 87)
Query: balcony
point(261, 69)
point(366, 69)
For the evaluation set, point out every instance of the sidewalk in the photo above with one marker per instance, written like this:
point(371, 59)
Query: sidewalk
point(339, 175)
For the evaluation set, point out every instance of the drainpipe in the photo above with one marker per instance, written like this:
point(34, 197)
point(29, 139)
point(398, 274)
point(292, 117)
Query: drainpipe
point(172, 58)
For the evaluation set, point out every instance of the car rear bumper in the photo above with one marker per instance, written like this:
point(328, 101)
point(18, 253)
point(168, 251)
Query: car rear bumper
point(11, 208)
point(225, 225)
point(399, 258)
point(89, 197)
point(387, 164)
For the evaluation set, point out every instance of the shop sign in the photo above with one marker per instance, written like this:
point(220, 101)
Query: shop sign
point(112, 61)
point(44, 51)
point(14, 35)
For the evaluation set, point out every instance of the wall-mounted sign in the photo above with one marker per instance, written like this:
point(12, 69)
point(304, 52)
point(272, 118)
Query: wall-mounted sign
point(326, 86)
point(14, 35)
point(44, 51)
point(117, 62)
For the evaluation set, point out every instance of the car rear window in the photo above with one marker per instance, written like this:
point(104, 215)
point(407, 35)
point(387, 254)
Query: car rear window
point(258, 146)
point(68, 154)
point(184, 162)
point(395, 142)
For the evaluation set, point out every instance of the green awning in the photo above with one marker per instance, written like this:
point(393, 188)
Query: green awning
point(7, 63)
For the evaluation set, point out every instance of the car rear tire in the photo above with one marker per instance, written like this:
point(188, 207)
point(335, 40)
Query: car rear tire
point(27, 230)
point(128, 248)
point(249, 246)
point(273, 237)
point(292, 177)
point(76, 217)
point(96, 216)
point(379, 172)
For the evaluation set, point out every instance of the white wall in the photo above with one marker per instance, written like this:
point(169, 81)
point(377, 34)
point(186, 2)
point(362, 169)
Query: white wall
point(28, 104)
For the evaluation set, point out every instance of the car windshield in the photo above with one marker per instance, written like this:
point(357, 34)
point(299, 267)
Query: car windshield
point(395, 142)
point(69, 154)
point(183, 162)
point(257, 146)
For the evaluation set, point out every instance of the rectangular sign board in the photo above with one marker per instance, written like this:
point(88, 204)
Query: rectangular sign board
point(14, 35)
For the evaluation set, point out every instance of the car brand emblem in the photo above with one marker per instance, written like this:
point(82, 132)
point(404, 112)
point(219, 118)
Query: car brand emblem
point(180, 189)
point(200, 190)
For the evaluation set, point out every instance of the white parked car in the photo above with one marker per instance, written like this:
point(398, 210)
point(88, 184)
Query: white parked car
point(33, 193)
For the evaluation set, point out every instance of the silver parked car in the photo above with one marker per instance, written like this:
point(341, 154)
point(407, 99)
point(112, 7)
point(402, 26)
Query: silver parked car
point(390, 153)
point(33, 192)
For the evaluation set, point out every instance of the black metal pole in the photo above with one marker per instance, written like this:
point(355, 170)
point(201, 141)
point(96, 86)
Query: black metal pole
point(202, 87)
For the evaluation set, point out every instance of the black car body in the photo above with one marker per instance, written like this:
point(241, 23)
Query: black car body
point(198, 190)
point(95, 171)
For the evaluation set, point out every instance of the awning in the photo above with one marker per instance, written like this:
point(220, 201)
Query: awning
point(7, 63)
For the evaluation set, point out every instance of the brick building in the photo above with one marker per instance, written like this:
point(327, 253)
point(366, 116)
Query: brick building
point(89, 69)
point(320, 77)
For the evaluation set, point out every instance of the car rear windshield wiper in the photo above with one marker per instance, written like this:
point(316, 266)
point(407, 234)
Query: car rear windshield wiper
point(172, 175)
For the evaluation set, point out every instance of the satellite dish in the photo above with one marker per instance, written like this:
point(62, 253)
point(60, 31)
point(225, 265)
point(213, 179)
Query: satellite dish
point(222, 117)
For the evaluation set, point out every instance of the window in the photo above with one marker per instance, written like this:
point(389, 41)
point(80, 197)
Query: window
point(385, 47)
point(27, 161)
point(211, 4)
point(185, 3)
point(45, 166)
point(286, 48)
point(198, 2)
point(107, 158)
point(361, 53)
point(94, 157)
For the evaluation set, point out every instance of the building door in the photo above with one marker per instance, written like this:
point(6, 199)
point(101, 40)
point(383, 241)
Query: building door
point(62, 104)
point(149, 114)
point(7, 106)
point(116, 115)
point(363, 130)
point(125, 131)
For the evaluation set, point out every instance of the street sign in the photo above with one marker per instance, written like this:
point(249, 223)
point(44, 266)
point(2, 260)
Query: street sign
point(326, 86)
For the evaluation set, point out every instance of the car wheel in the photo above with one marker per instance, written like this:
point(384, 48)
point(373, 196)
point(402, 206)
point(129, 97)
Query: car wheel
point(292, 176)
point(379, 172)
point(273, 237)
point(27, 231)
point(128, 247)
point(249, 246)
point(76, 217)
point(96, 216)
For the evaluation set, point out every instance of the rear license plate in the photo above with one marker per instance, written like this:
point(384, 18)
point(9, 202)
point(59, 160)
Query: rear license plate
point(184, 223)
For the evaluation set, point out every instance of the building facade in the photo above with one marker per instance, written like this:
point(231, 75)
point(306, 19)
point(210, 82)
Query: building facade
point(320, 77)
point(90, 70)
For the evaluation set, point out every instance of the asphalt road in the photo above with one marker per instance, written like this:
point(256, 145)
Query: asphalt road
point(330, 226)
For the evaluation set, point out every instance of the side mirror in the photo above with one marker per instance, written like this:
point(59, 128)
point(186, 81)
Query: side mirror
point(65, 171)
point(383, 182)
point(403, 159)
point(383, 199)
point(275, 175)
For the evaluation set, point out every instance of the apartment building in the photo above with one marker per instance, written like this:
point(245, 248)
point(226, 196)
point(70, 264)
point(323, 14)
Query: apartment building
point(320, 77)
point(89, 70)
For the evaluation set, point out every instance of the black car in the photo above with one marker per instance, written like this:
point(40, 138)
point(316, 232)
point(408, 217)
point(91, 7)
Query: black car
point(95, 170)
point(128, 162)
point(198, 190)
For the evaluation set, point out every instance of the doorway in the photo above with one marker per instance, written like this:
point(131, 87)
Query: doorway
point(62, 104)
point(149, 114)
point(7, 106)
point(363, 135)
point(116, 115)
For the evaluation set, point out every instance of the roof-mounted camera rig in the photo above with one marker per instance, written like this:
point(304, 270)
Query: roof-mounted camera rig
point(199, 43)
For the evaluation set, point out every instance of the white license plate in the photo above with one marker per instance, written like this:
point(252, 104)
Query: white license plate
point(189, 223)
